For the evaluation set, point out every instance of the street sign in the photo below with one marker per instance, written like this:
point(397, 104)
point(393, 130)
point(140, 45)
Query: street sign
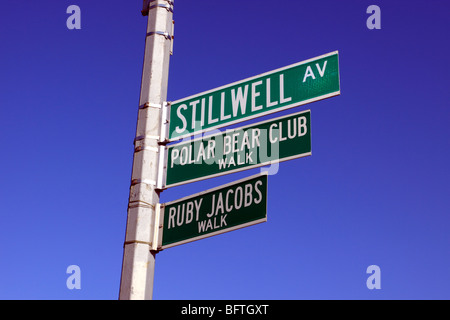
point(229, 207)
point(263, 143)
point(297, 84)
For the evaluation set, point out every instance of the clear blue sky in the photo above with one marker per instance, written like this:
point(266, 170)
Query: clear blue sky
point(375, 191)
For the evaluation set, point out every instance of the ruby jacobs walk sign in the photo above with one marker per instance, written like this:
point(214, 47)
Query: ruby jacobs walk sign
point(229, 207)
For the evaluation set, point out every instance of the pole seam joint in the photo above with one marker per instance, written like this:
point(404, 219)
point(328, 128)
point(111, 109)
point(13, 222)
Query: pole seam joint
point(161, 33)
point(137, 241)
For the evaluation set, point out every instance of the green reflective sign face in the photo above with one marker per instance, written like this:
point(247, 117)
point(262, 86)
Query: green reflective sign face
point(233, 206)
point(284, 88)
point(259, 144)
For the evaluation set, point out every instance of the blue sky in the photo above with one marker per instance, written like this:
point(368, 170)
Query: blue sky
point(374, 192)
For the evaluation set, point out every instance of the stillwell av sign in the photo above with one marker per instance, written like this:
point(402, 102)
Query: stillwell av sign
point(291, 86)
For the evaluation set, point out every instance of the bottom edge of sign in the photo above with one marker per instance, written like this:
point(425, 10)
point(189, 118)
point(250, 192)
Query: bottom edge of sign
point(267, 163)
point(251, 223)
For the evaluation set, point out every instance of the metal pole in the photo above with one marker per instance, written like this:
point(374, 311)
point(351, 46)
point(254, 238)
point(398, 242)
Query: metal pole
point(138, 264)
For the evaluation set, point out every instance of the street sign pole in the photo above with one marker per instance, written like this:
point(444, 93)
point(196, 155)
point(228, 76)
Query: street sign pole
point(138, 258)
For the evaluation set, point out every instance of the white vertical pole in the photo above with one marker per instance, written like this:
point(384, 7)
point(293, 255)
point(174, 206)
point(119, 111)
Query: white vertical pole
point(138, 264)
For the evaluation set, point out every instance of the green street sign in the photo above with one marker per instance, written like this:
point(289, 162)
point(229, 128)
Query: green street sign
point(229, 207)
point(297, 84)
point(263, 143)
